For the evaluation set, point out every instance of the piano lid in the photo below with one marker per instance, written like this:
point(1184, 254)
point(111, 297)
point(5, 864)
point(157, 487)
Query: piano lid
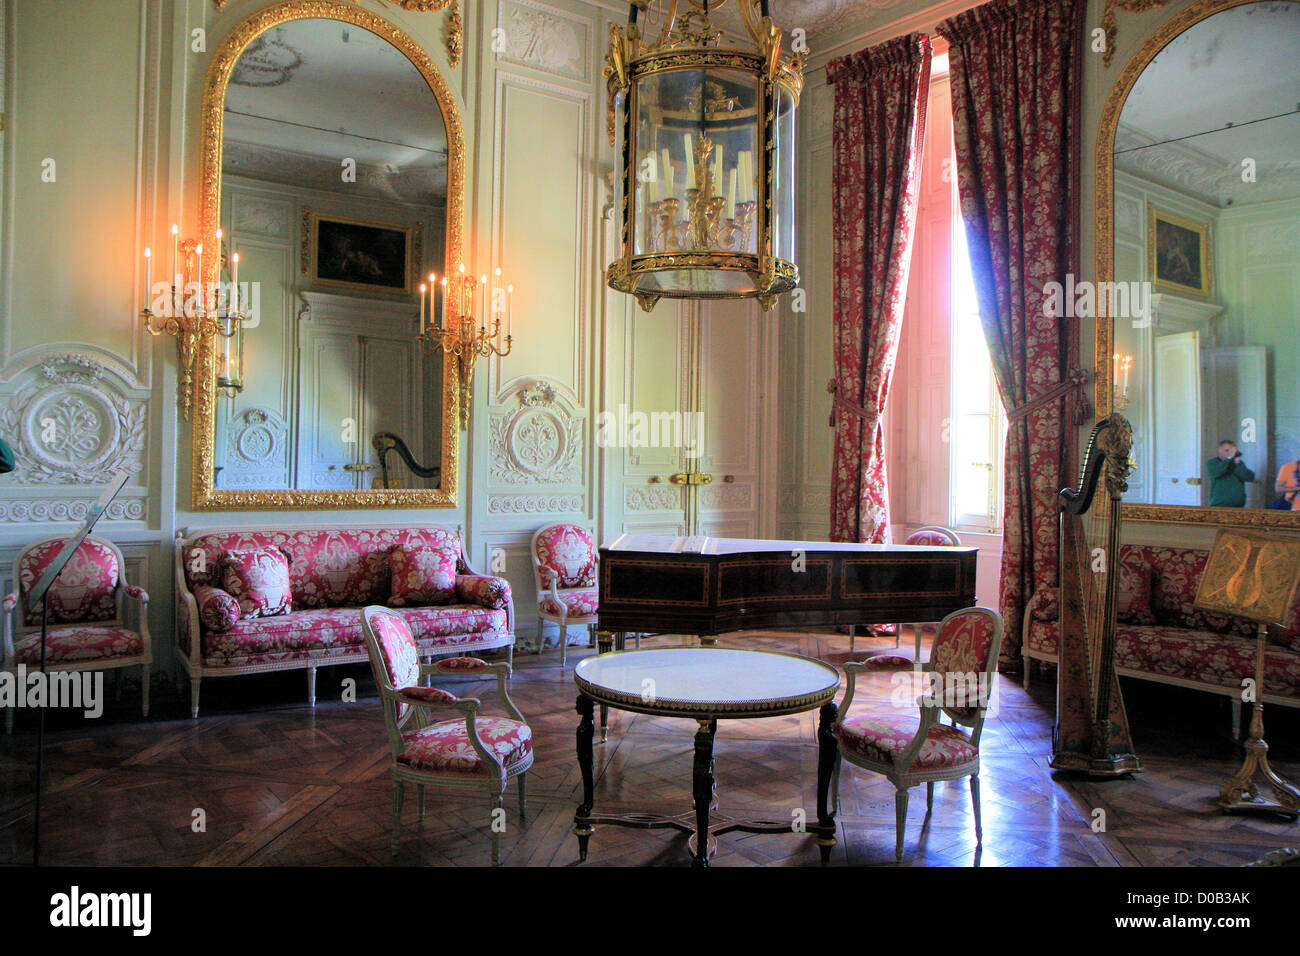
point(709, 545)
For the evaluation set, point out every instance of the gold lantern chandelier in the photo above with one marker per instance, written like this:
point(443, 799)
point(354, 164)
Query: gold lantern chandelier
point(708, 154)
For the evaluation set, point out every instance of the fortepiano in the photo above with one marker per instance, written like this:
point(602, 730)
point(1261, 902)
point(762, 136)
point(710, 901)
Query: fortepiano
point(708, 586)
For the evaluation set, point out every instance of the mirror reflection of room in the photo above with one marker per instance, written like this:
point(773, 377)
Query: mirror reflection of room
point(334, 191)
point(1207, 229)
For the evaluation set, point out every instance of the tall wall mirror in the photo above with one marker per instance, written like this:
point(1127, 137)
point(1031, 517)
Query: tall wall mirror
point(332, 160)
point(1198, 226)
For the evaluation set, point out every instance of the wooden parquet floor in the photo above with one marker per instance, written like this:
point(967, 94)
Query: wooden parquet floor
point(281, 784)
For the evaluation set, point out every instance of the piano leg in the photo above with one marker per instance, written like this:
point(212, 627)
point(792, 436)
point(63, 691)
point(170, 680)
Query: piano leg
point(620, 640)
point(582, 827)
point(702, 787)
point(828, 752)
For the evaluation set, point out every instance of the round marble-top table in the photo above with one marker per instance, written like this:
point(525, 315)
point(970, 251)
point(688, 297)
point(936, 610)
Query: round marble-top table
point(705, 684)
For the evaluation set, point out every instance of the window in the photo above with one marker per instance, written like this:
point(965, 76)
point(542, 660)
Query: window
point(978, 422)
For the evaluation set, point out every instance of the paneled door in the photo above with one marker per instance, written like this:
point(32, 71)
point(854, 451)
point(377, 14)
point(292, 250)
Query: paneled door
point(1177, 431)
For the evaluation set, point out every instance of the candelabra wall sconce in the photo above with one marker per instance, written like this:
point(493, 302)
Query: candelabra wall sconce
point(1119, 381)
point(197, 312)
point(454, 332)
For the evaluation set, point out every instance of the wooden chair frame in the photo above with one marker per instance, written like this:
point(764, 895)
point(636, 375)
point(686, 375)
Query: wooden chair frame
point(423, 713)
point(900, 773)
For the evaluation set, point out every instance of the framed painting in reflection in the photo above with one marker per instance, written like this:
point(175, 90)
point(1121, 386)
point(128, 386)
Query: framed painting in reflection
point(1179, 252)
point(356, 254)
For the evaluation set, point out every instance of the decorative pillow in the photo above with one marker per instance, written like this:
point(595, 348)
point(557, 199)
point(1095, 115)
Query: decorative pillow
point(218, 610)
point(482, 590)
point(423, 575)
point(1134, 589)
point(259, 580)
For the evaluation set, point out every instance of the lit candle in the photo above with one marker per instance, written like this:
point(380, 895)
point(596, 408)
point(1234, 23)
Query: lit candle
point(443, 314)
point(717, 171)
point(510, 311)
point(198, 276)
point(669, 184)
point(176, 258)
point(482, 301)
point(148, 278)
point(422, 288)
point(496, 286)
point(690, 161)
point(731, 195)
point(652, 187)
point(464, 289)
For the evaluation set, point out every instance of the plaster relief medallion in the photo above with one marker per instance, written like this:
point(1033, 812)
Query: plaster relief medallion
point(69, 425)
point(256, 440)
point(539, 39)
point(538, 441)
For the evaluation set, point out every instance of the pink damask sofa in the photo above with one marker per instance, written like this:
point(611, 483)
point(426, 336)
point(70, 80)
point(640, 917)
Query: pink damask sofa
point(1160, 636)
point(298, 594)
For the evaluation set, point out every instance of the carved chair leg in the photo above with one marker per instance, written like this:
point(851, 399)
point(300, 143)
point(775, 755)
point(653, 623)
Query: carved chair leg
point(564, 643)
point(523, 796)
point(144, 689)
point(493, 816)
point(898, 634)
point(510, 660)
point(1235, 703)
point(419, 801)
point(638, 642)
point(929, 796)
point(1029, 670)
point(900, 823)
point(399, 792)
point(311, 687)
point(975, 802)
point(853, 637)
point(194, 697)
point(541, 636)
point(916, 630)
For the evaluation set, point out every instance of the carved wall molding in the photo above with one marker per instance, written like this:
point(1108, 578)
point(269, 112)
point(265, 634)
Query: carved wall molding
point(538, 438)
point(256, 452)
point(74, 420)
point(31, 510)
point(1109, 24)
point(534, 504)
point(653, 498)
point(543, 39)
point(727, 497)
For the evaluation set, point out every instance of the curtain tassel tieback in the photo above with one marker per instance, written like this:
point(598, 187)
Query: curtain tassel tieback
point(1077, 379)
point(843, 404)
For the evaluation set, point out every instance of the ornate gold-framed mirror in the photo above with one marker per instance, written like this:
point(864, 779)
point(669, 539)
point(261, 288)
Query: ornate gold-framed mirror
point(1198, 253)
point(332, 160)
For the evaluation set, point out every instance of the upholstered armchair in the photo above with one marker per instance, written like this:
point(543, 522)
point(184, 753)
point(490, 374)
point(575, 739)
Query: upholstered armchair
point(86, 630)
point(564, 571)
point(438, 739)
point(958, 683)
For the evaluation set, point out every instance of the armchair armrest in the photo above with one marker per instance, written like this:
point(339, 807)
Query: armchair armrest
point(10, 601)
point(7, 626)
point(1045, 605)
point(475, 665)
point(929, 714)
point(426, 696)
point(136, 593)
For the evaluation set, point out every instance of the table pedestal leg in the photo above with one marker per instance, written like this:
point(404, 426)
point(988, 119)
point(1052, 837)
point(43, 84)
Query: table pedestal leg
point(604, 644)
point(582, 827)
point(702, 787)
point(828, 752)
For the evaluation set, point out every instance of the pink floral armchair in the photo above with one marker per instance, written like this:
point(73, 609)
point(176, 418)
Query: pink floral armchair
point(463, 751)
point(957, 682)
point(564, 570)
point(86, 629)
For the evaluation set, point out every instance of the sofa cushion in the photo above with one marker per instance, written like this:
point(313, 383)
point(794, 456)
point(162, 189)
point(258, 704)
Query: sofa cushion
point(445, 747)
point(315, 631)
point(332, 567)
point(218, 609)
point(1221, 660)
point(422, 575)
point(258, 578)
point(1134, 587)
point(74, 645)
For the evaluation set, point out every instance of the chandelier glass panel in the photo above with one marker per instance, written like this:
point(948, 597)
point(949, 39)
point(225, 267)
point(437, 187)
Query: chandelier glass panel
point(708, 135)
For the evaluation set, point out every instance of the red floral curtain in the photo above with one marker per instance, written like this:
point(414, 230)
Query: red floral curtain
point(1016, 82)
point(880, 97)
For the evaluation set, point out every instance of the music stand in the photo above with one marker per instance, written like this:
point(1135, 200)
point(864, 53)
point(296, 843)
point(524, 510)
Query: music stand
point(40, 592)
point(1253, 575)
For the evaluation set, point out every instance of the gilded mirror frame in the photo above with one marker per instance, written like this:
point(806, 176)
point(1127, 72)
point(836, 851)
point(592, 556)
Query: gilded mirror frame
point(204, 496)
point(1105, 259)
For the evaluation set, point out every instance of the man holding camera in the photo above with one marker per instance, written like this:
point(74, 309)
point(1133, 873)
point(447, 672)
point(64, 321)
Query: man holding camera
point(1228, 477)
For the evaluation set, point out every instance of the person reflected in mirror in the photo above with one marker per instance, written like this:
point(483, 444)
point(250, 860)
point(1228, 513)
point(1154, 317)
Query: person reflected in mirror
point(1287, 487)
point(1228, 477)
